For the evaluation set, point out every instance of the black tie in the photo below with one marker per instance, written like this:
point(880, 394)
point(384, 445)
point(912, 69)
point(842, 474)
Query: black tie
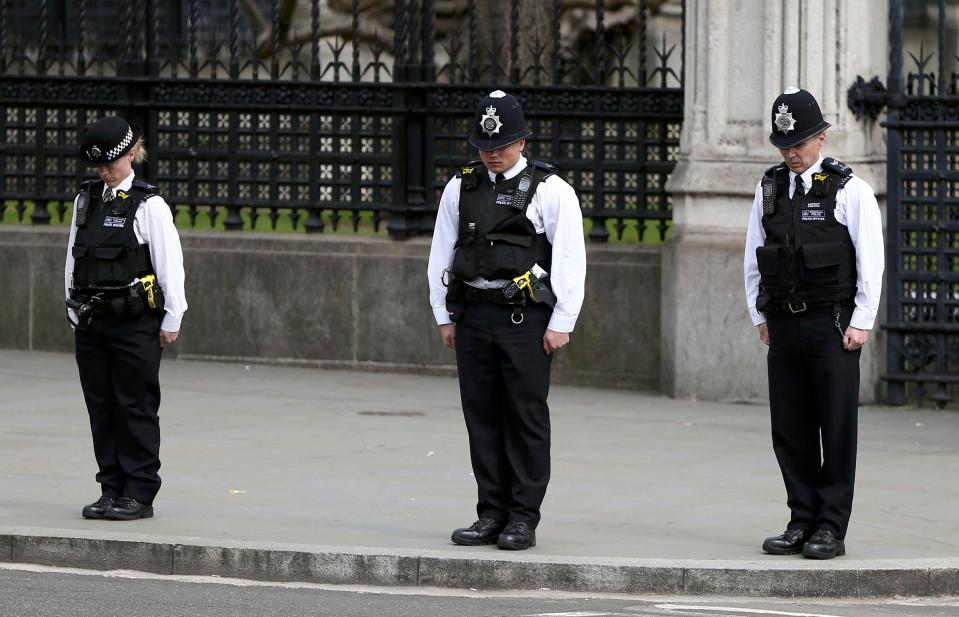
point(108, 195)
point(500, 178)
point(799, 192)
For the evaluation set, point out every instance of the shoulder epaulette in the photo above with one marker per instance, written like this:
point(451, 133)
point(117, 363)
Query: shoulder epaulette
point(470, 174)
point(772, 171)
point(473, 167)
point(548, 169)
point(839, 168)
point(146, 186)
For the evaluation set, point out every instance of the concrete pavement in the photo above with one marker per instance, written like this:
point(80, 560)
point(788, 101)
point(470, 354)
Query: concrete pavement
point(333, 476)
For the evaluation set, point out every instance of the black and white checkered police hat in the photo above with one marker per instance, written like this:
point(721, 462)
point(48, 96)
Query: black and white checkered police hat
point(108, 139)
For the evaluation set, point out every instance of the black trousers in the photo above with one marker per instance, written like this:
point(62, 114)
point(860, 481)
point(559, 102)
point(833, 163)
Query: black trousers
point(119, 362)
point(813, 400)
point(504, 381)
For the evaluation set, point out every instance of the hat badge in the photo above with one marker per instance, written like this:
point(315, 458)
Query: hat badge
point(784, 119)
point(490, 122)
point(94, 152)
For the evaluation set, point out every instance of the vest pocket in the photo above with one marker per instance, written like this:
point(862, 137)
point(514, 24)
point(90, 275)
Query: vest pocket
point(110, 264)
point(465, 264)
point(506, 255)
point(821, 262)
point(79, 252)
point(769, 259)
point(510, 239)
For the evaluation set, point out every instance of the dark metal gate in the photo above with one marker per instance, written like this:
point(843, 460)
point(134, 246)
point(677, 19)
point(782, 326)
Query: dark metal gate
point(922, 263)
point(330, 119)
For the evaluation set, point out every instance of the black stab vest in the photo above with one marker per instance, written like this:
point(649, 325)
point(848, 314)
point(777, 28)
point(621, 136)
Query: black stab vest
point(106, 252)
point(808, 255)
point(496, 240)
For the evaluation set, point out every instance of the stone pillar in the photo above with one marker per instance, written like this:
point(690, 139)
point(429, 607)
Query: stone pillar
point(739, 57)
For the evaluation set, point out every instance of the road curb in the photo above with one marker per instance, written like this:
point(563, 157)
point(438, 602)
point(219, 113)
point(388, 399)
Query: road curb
point(479, 568)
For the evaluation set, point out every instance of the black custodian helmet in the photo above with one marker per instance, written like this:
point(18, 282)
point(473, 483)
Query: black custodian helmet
point(795, 118)
point(108, 139)
point(498, 122)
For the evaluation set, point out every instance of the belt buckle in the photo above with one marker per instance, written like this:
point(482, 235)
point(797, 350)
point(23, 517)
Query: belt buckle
point(799, 308)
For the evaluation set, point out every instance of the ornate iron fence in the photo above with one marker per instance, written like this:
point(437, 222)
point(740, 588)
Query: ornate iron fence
point(329, 114)
point(922, 243)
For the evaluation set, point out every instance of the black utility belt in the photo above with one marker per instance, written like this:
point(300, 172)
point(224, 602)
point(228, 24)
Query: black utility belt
point(526, 286)
point(793, 308)
point(138, 298)
point(493, 296)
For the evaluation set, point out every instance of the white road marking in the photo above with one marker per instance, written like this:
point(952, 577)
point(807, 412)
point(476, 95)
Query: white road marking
point(581, 614)
point(745, 611)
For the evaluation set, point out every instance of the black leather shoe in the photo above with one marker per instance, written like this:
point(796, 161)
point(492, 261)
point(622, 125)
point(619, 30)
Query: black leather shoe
point(96, 509)
point(517, 537)
point(789, 543)
point(127, 509)
point(483, 531)
point(824, 545)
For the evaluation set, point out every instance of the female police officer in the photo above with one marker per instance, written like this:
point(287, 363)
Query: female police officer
point(124, 284)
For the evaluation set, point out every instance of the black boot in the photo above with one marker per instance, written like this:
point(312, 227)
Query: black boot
point(96, 509)
point(517, 537)
point(128, 509)
point(824, 545)
point(483, 531)
point(789, 543)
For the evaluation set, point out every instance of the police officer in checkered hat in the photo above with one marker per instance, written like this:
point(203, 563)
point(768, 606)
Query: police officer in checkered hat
point(506, 275)
point(813, 275)
point(125, 298)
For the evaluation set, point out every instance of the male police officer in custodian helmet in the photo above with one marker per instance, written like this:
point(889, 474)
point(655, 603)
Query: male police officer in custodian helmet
point(813, 269)
point(125, 297)
point(507, 267)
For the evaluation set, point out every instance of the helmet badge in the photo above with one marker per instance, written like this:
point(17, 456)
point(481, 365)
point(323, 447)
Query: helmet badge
point(490, 123)
point(784, 119)
point(94, 152)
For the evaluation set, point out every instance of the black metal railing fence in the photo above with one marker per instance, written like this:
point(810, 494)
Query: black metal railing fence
point(325, 114)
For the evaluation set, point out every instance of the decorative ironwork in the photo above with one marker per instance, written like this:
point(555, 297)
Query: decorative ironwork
point(257, 118)
point(867, 99)
point(923, 222)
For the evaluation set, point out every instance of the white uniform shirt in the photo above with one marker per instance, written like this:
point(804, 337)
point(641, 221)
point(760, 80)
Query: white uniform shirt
point(554, 210)
point(856, 208)
point(153, 225)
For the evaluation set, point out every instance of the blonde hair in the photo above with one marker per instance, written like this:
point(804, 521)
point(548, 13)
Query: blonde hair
point(139, 152)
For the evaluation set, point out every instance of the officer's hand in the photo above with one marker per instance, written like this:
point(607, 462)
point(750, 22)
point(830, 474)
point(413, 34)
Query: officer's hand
point(448, 332)
point(854, 338)
point(763, 332)
point(553, 340)
point(167, 338)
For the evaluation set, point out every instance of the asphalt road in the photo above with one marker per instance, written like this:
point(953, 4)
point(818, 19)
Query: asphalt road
point(37, 591)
